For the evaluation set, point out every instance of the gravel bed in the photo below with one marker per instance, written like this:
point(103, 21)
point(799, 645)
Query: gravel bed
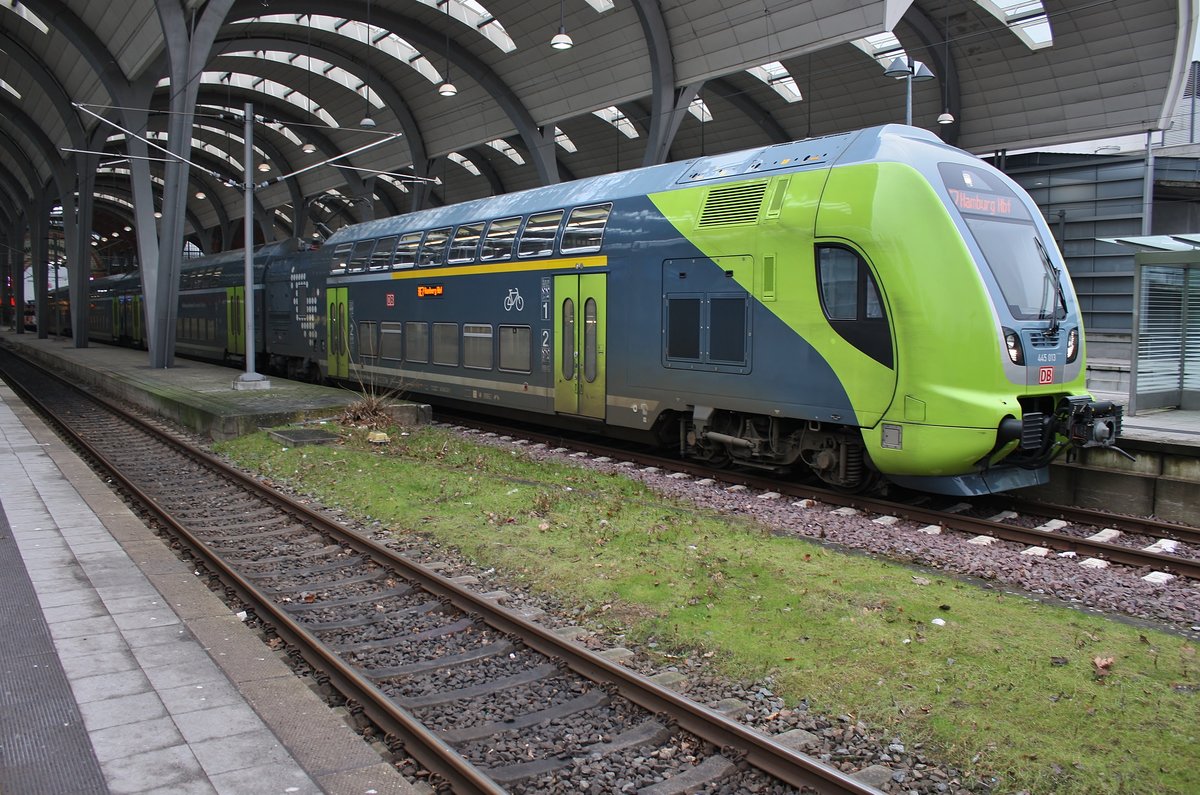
point(458, 677)
point(840, 741)
point(1117, 589)
point(505, 705)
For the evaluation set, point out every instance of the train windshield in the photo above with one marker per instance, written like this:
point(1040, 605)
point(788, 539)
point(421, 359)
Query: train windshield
point(1009, 241)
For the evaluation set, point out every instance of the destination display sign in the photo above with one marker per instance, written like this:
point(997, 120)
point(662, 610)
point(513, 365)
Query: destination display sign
point(430, 290)
point(985, 204)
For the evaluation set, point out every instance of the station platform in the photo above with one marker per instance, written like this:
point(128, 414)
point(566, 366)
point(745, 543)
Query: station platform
point(120, 672)
point(196, 395)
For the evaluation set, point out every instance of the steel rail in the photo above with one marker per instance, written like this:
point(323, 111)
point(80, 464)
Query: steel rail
point(1185, 567)
point(738, 740)
point(418, 741)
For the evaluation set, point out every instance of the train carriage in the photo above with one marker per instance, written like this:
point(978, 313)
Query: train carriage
point(868, 304)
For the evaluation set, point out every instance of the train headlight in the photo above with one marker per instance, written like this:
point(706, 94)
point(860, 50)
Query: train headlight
point(1072, 345)
point(1013, 342)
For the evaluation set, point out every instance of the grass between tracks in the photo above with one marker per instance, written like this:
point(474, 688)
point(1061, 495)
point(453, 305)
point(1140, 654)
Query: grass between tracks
point(1007, 688)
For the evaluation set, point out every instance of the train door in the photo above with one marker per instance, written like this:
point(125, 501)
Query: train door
point(337, 327)
point(116, 318)
point(235, 320)
point(579, 344)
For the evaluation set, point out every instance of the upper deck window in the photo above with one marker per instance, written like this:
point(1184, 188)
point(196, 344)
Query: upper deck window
point(433, 252)
point(585, 229)
point(501, 237)
point(406, 250)
point(466, 243)
point(537, 239)
point(381, 259)
point(360, 256)
point(341, 256)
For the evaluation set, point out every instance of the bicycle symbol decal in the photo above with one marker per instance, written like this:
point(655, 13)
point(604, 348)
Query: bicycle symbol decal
point(514, 300)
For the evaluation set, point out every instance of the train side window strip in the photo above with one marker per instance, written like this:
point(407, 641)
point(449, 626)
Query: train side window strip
point(445, 344)
point(477, 346)
point(361, 256)
point(406, 250)
point(416, 342)
point(537, 239)
point(366, 339)
point(390, 341)
point(466, 243)
point(381, 258)
point(433, 251)
point(341, 256)
point(516, 350)
point(501, 239)
point(585, 229)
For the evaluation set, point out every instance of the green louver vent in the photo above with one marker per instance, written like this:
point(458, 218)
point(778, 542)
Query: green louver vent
point(732, 205)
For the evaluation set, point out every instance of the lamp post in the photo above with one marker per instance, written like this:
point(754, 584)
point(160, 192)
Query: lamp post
point(251, 379)
point(911, 72)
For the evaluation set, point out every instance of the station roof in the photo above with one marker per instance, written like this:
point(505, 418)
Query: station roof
point(1012, 73)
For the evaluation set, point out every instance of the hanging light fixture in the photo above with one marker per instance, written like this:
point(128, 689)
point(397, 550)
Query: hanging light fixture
point(946, 116)
point(447, 89)
point(308, 147)
point(264, 166)
point(561, 40)
point(367, 122)
point(201, 195)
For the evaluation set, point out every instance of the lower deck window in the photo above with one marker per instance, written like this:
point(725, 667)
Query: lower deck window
point(515, 350)
point(477, 346)
point(366, 340)
point(416, 342)
point(390, 340)
point(445, 344)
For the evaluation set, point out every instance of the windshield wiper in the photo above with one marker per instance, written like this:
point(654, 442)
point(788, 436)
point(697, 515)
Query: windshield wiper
point(1056, 276)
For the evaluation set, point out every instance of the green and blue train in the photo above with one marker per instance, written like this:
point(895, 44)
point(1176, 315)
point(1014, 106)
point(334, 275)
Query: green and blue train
point(873, 304)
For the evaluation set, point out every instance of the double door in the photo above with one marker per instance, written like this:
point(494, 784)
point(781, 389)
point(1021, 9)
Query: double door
point(580, 305)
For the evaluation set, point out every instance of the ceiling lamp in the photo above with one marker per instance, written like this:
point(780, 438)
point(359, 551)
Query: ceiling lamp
point(200, 195)
point(128, 228)
point(561, 40)
point(367, 122)
point(157, 214)
point(264, 166)
point(447, 89)
point(946, 118)
point(308, 147)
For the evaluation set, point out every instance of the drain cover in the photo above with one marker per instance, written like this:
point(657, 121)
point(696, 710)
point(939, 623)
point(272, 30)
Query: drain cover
point(302, 436)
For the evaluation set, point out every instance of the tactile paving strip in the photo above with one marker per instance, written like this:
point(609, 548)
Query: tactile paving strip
point(44, 747)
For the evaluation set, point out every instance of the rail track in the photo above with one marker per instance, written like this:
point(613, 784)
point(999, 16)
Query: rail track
point(483, 698)
point(1097, 538)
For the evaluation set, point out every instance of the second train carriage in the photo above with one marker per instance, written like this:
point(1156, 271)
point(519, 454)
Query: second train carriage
point(868, 303)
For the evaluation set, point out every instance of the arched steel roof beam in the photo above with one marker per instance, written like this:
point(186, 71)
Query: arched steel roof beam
point(741, 100)
point(418, 34)
point(282, 111)
point(267, 143)
point(58, 16)
point(48, 83)
point(113, 183)
point(356, 63)
point(664, 98)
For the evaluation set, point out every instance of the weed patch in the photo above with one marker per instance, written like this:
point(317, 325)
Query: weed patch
point(1043, 698)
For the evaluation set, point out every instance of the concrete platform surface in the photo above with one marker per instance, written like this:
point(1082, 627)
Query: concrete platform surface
point(194, 394)
point(121, 672)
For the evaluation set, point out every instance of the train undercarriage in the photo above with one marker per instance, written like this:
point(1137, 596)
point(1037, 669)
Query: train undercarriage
point(835, 454)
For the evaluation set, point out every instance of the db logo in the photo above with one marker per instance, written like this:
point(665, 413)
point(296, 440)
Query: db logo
point(391, 299)
point(1045, 375)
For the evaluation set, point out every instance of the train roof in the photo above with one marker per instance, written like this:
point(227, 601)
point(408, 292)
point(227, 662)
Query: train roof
point(886, 142)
